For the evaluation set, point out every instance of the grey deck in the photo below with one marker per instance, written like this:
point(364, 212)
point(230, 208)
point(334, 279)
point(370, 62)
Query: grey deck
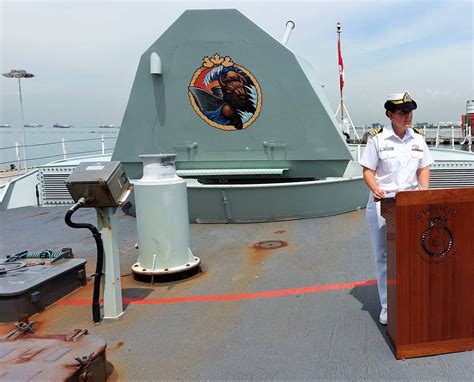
point(328, 335)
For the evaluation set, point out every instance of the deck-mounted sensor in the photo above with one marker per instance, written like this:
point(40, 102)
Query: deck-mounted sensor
point(103, 186)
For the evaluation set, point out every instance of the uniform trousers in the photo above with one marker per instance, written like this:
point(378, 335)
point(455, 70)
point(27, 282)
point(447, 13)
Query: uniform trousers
point(378, 233)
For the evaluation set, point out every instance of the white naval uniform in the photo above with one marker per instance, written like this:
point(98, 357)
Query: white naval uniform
point(395, 162)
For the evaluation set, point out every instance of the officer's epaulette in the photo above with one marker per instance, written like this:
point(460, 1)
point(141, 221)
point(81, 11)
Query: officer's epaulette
point(374, 132)
point(419, 131)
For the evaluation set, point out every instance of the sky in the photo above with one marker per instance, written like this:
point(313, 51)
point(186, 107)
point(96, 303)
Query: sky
point(85, 54)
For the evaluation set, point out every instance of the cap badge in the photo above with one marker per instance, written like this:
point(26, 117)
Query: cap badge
point(406, 97)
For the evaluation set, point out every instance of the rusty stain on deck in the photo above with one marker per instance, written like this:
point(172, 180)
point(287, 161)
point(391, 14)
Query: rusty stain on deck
point(37, 214)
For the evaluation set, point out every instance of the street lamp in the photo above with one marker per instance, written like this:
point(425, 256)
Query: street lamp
point(18, 73)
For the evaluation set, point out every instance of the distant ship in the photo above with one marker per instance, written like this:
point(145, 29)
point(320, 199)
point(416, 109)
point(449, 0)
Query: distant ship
point(5, 125)
point(107, 126)
point(33, 125)
point(62, 126)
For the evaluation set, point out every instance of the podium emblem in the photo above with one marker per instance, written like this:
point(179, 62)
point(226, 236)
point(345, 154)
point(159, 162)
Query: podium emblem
point(437, 239)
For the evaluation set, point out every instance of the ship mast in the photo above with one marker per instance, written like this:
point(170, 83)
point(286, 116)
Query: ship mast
point(341, 70)
point(346, 122)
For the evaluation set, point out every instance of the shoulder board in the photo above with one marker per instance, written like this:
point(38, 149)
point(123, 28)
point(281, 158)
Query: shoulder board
point(374, 132)
point(419, 131)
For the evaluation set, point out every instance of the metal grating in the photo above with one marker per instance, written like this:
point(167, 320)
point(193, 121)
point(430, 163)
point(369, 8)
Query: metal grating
point(451, 177)
point(53, 189)
point(444, 174)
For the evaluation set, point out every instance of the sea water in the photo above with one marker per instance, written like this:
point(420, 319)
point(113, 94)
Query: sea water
point(44, 144)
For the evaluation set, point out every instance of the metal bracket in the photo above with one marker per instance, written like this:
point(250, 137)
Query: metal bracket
point(76, 335)
point(272, 145)
point(84, 362)
point(21, 328)
point(25, 327)
point(226, 203)
point(190, 148)
point(187, 145)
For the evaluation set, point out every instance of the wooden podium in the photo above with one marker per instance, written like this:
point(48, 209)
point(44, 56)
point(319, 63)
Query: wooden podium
point(430, 248)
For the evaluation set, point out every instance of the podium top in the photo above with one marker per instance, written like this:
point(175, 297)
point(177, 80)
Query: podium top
point(444, 195)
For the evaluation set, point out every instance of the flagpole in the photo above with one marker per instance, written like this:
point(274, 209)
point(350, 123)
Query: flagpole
point(341, 71)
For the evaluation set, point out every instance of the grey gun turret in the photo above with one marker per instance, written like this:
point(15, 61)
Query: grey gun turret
point(233, 103)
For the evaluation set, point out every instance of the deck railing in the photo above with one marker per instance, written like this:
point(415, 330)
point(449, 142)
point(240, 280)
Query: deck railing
point(441, 135)
point(16, 161)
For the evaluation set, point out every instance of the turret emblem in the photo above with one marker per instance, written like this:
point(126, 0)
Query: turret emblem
point(225, 95)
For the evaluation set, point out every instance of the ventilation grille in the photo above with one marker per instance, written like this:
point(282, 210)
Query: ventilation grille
point(53, 189)
point(451, 178)
point(442, 175)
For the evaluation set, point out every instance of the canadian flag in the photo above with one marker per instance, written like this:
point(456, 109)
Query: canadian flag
point(341, 64)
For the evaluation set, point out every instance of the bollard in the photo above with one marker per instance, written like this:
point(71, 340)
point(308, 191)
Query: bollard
point(162, 219)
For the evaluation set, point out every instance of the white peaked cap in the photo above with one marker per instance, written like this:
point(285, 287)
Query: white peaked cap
point(399, 97)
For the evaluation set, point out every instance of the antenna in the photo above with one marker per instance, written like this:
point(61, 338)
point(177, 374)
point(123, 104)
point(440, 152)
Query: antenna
point(290, 25)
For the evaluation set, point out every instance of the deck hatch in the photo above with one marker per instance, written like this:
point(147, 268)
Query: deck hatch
point(54, 358)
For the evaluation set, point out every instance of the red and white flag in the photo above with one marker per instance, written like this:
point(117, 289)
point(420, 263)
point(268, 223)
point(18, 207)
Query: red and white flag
point(341, 64)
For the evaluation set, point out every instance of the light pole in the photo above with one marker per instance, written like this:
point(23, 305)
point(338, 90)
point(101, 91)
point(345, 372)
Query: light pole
point(19, 73)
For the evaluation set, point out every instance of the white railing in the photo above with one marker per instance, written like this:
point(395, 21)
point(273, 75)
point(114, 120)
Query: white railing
point(442, 135)
point(467, 137)
point(64, 151)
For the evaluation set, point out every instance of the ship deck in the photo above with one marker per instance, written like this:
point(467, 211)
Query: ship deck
point(304, 311)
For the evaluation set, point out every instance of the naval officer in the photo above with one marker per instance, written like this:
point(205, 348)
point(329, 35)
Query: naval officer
point(396, 158)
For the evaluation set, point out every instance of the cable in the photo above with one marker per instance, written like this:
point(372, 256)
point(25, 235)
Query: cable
point(100, 255)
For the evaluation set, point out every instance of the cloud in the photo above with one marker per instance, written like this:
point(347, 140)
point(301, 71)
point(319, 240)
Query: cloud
point(85, 54)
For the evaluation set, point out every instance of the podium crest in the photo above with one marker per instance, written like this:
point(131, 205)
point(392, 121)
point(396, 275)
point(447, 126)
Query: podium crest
point(437, 240)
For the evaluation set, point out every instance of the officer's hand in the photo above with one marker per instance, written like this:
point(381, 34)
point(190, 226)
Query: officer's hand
point(378, 194)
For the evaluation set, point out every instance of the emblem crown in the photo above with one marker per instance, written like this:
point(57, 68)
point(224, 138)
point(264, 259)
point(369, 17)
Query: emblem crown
point(217, 60)
point(406, 97)
point(437, 220)
point(227, 61)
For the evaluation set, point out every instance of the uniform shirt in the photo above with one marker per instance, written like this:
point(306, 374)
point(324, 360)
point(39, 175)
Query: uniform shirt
point(395, 160)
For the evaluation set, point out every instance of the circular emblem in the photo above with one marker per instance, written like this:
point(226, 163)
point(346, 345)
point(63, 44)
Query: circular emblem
point(437, 239)
point(225, 95)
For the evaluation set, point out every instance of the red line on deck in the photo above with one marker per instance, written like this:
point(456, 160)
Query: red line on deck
point(230, 297)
